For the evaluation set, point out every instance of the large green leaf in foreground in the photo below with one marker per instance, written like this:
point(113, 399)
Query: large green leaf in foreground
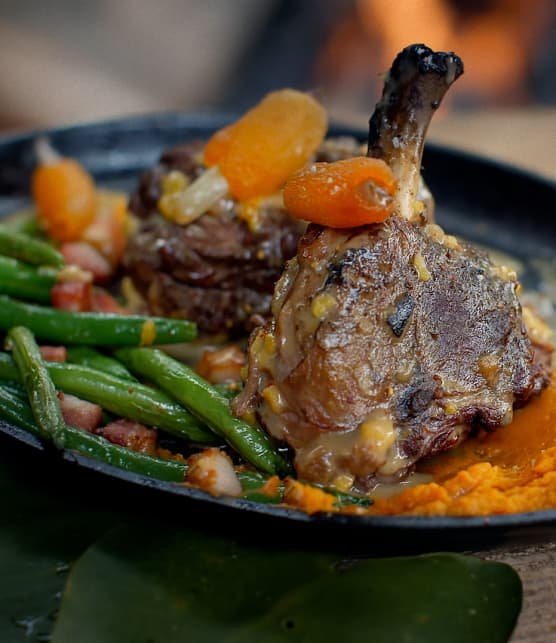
point(44, 527)
point(156, 584)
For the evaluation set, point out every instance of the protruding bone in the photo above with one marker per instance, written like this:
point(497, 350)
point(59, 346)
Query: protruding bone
point(413, 89)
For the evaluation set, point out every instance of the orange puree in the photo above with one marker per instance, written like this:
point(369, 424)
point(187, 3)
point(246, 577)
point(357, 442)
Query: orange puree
point(510, 470)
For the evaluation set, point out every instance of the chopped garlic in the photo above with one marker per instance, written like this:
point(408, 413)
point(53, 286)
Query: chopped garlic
point(322, 305)
point(421, 268)
point(174, 181)
point(131, 295)
point(418, 208)
point(450, 408)
point(71, 272)
point(250, 212)
point(343, 482)
point(264, 347)
point(504, 272)
point(489, 368)
point(148, 333)
point(538, 330)
point(274, 399)
point(193, 201)
point(378, 432)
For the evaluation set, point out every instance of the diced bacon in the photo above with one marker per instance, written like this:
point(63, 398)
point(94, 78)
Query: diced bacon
point(87, 257)
point(54, 353)
point(131, 435)
point(72, 295)
point(79, 413)
point(223, 365)
point(213, 471)
point(103, 302)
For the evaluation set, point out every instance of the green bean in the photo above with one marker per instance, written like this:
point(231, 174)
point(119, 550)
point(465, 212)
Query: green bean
point(27, 282)
point(87, 356)
point(43, 398)
point(101, 329)
point(97, 447)
point(344, 499)
point(17, 411)
point(15, 388)
point(130, 400)
point(207, 404)
point(123, 398)
point(252, 481)
point(25, 248)
point(229, 391)
point(8, 369)
point(24, 222)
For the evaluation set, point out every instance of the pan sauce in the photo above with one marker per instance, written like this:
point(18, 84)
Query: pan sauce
point(509, 470)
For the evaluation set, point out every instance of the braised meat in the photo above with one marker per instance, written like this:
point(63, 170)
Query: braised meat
point(392, 341)
point(219, 270)
point(388, 343)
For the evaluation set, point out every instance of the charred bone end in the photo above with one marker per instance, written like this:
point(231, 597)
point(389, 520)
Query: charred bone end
point(413, 91)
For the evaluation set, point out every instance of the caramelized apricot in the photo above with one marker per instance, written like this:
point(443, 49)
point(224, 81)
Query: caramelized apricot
point(65, 196)
point(342, 194)
point(257, 153)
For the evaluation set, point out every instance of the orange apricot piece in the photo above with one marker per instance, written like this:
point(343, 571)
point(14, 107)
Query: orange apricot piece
point(342, 194)
point(257, 153)
point(65, 196)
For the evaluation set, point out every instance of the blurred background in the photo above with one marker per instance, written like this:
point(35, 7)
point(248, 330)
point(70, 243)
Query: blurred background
point(66, 61)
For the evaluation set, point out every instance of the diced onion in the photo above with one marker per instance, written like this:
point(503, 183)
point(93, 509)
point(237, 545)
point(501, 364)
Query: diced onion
point(189, 204)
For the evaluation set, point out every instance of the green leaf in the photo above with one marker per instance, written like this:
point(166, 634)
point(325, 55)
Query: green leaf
point(150, 583)
point(44, 527)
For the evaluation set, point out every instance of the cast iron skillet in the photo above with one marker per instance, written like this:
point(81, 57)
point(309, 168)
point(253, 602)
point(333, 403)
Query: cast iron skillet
point(483, 201)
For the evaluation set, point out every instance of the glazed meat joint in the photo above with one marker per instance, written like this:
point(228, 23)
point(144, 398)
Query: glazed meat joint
point(392, 341)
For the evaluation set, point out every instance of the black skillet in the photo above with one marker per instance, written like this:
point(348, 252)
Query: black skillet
point(481, 200)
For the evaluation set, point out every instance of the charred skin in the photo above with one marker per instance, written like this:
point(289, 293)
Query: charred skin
point(413, 90)
point(393, 341)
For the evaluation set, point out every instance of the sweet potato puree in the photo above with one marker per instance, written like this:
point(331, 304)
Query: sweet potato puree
point(510, 470)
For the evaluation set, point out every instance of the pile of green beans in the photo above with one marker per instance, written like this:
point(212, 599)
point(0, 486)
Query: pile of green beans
point(123, 398)
point(207, 404)
point(16, 410)
point(184, 404)
point(159, 409)
point(188, 420)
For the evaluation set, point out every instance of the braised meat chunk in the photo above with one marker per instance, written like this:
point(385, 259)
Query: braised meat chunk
point(388, 343)
point(218, 270)
point(392, 341)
